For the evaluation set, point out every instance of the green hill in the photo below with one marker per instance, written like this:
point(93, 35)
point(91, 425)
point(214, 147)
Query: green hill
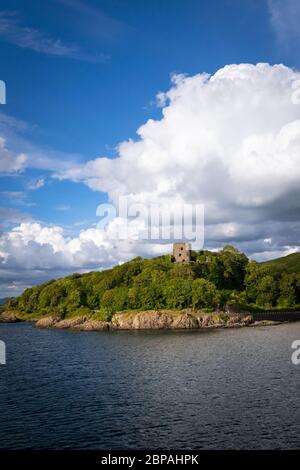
point(289, 264)
point(139, 284)
point(211, 281)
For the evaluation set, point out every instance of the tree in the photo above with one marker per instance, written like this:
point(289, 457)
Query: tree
point(289, 290)
point(45, 296)
point(178, 293)
point(204, 294)
point(58, 295)
point(254, 274)
point(266, 292)
point(233, 268)
point(207, 266)
point(115, 300)
point(225, 269)
point(134, 298)
point(74, 298)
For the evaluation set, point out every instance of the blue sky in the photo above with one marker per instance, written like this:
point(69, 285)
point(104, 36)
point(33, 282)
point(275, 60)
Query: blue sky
point(83, 76)
point(83, 106)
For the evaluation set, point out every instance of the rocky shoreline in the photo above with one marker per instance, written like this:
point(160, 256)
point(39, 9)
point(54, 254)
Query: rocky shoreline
point(147, 320)
point(8, 317)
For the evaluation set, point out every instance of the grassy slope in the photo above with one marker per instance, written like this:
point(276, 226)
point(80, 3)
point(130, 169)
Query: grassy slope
point(290, 264)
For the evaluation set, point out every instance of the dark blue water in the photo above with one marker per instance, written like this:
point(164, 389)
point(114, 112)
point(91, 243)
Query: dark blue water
point(205, 389)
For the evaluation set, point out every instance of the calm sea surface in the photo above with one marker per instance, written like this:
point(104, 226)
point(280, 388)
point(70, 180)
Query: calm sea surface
point(127, 390)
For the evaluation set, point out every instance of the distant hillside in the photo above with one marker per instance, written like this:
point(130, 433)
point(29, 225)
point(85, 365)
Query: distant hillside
point(289, 264)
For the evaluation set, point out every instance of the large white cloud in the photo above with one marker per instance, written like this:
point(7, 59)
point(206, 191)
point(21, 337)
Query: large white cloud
point(237, 129)
point(31, 253)
point(230, 141)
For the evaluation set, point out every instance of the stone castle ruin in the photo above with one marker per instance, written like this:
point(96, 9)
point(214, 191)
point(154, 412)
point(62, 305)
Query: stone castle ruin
point(182, 252)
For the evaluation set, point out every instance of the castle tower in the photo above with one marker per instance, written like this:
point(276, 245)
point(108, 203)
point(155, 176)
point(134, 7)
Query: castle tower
point(182, 253)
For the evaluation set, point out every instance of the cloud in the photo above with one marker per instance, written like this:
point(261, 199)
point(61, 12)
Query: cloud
point(32, 245)
point(26, 37)
point(17, 153)
point(11, 162)
point(36, 184)
point(10, 217)
point(285, 18)
point(10, 122)
point(31, 253)
point(238, 126)
point(230, 141)
point(17, 198)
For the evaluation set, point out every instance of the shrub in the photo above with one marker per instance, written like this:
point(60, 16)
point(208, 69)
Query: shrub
point(178, 293)
point(103, 315)
point(204, 294)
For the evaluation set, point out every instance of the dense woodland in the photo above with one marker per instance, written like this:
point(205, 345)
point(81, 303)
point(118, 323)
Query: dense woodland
point(213, 280)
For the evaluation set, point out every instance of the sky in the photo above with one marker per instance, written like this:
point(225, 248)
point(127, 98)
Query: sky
point(162, 102)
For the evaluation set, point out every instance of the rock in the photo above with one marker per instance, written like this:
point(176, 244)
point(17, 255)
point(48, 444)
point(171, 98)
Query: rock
point(46, 322)
point(266, 323)
point(94, 325)
point(154, 320)
point(78, 323)
point(170, 319)
point(186, 321)
point(248, 320)
point(69, 322)
point(9, 317)
point(151, 320)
